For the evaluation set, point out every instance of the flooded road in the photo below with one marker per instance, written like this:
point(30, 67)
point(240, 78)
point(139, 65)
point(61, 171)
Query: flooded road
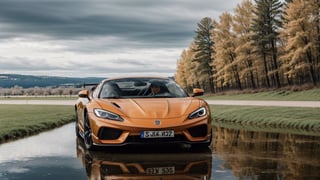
point(235, 154)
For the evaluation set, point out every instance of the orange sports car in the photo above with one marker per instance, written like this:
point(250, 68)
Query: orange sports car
point(141, 110)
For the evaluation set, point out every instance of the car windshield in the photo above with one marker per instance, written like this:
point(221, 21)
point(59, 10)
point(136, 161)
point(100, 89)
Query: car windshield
point(141, 88)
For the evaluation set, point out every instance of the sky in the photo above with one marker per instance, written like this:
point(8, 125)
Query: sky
point(100, 38)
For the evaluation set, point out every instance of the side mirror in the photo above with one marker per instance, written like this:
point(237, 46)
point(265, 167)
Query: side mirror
point(197, 92)
point(83, 94)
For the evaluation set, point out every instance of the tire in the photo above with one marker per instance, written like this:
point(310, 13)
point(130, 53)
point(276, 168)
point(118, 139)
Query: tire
point(87, 137)
point(77, 125)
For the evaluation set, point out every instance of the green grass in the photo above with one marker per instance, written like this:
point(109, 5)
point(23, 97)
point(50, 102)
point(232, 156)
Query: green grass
point(18, 121)
point(271, 119)
point(278, 95)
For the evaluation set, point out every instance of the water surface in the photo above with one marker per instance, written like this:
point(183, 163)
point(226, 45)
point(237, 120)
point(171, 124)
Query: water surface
point(264, 155)
point(235, 154)
point(49, 155)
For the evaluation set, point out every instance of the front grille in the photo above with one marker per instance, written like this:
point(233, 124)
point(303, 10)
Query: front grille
point(198, 131)
point(109, 133)
point(138, 139)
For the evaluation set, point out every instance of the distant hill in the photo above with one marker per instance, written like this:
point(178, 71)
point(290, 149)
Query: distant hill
point(27, 81)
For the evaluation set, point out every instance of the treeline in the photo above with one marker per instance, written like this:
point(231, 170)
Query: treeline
point(29, 81)
point(39, 91)
point(262, 44)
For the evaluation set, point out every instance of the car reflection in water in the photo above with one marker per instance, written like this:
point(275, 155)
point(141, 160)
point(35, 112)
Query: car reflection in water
point(134, 163)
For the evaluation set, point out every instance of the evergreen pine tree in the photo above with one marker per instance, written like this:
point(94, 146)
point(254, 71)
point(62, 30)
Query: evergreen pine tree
point(204, 49)
point(265, 26)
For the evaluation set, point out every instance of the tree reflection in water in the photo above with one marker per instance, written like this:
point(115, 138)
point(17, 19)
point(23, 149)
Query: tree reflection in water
point(263, 155)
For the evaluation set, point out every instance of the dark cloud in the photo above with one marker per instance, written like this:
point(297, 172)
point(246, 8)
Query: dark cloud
point(82, 33)
point(138, 21)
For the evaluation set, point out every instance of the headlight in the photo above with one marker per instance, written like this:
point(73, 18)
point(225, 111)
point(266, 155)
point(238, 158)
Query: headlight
point(198, 113)
point(107, 115)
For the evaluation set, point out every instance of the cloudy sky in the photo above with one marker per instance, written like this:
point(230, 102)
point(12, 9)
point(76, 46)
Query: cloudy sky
point(99, 38)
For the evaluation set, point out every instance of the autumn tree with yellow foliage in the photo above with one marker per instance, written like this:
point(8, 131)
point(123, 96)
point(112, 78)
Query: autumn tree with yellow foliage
point(187, 74)
point(225, 62)
point(263, 44)
point(246, 58)
point(300, 62)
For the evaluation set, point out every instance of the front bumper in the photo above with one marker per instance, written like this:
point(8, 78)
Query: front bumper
point(111, 133)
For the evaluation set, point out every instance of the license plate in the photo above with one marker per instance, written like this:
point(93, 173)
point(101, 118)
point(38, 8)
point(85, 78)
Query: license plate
point(160, 170)
point(157, 134)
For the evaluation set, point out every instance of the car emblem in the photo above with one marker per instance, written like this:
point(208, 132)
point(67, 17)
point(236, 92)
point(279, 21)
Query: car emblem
point(157, 122)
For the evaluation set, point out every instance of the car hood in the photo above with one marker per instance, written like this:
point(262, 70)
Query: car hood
point(151, 107)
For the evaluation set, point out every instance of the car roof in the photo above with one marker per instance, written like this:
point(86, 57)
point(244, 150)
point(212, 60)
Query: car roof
point(137, 77)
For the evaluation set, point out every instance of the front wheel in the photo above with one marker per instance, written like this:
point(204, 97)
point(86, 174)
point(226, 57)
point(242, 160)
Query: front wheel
point(88, 134)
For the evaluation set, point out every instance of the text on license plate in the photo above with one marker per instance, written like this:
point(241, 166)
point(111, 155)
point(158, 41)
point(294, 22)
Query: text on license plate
point(160, 170)
point(157, 134)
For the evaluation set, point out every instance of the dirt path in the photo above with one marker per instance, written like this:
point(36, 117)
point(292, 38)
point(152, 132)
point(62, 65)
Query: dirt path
point(212, 102)
point(266, 103)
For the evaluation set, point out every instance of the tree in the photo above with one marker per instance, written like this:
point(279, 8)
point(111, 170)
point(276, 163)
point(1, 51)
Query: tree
point(265, 26)
point(187, 69)
point(317, 20)
point(301, 31)
point(225, 56)
point(203, 52)
point(192, 68)
point(242, 20)
point(180, 75)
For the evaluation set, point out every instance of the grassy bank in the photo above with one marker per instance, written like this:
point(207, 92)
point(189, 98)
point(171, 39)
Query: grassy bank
point(277, 95)
point(18, 121)
point(293, 120)
point(270, 119)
